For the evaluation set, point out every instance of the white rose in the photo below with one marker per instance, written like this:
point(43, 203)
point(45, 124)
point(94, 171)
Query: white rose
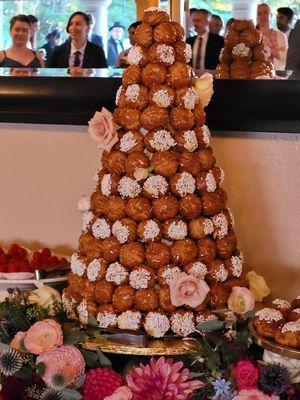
point(84, 204)
point(44, 296)
point(204, 88)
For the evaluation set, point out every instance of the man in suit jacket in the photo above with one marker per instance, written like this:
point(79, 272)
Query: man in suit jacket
point(206, 46)
point(115, 43)
point(93, 37)
point(92, 56)
point(293, 55)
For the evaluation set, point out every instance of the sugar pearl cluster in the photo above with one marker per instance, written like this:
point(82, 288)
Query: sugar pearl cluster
point(139, 278)
point(291, 327)
point(77, 265)
point(220, 225)
point(281, 304)
point(105, 185)
point(162, 140)
point(128, 187)
point(206, 135)
point(188, 52)
point(241, 50)
point(186, 184)
point(156, 324)
point(162, 98)
point(83, 313)
point(151, 230)
point(129, 320)
point(183, 323)
point(190, 99)
point(116, 273)
point(237, 265)
point(156, 186)
point(120, 232)
point(118, 94)
point(93, 270)
point(170, 273)
point(101, 229)
point(220, 274)
point(166, 54)
point(127, 142)
point(200, 318)
point(269, 315)
point(87, 219)
point(210, 182)
point(191, 142)
point(132, 92)
point(198, 270)
point(177, 230)
point(106, 319)
point(135, 55)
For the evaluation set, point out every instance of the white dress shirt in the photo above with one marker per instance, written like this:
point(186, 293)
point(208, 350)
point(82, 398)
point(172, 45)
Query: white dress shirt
point(72, 54)
point(203, 49)
point(287, 33)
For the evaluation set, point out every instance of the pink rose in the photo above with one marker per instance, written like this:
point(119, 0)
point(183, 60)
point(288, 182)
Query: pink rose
point(254, 395)
point(246, 375)
point(18, 341)
point(188, 290)
point(141, 174)
point(122, 393)
point(43, 336)
point(241, 300)
point(102, 129)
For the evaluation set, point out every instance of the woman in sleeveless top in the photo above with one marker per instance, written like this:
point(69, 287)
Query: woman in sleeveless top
point(18, 55)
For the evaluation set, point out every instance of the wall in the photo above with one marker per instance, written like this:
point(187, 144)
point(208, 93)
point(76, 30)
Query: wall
point(44, 170)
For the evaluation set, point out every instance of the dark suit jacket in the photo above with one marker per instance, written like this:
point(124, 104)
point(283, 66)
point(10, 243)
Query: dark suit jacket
point(96, 39)
point(293, 55)
point(214, 45)
point(93, 56)
point(112, 52)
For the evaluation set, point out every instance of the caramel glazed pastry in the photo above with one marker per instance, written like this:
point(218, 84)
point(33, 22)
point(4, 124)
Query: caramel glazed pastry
point(245, 55)
point(157, 210)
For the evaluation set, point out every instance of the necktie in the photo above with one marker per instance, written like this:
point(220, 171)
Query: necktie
point(198, 56)
point(77, 59)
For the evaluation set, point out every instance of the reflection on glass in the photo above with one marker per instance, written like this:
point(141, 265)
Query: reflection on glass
point(63, 72)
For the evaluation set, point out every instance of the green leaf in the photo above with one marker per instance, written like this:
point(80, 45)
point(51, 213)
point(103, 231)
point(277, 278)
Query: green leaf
point(249, 314)
point(210, 326)
point(73, 336)
point(91, 358)
point(40, 368)
point(24, 373)
point(79, 382)
point(71, 394)
point(104, 361)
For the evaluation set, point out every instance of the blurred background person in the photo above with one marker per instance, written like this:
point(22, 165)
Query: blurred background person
point(284, 20)
point(216, 24)
point(206, 46)
point(93, 37)
point(228, 25)
point(77, 51)
point(190, 26)
point(52, 41)
point(115, 44)
point(34, 27)
point(293, 56)
point(274, 39)
point(122, 61)
point(19, 55)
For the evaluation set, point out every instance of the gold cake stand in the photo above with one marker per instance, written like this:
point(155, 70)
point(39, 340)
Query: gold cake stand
point(163, 347)
point(271, 345)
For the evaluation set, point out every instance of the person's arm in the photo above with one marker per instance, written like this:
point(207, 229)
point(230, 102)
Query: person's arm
point(282, 46)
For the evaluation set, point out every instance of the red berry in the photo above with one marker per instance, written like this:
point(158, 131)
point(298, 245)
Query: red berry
point(19, 266)
point(46, 252)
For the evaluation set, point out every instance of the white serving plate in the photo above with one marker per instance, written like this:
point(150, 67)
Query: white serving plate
point(30, 284)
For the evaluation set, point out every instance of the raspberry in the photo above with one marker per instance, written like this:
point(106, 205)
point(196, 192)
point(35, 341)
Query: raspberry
point(46, 252)
point(19, 266)
point(16, 251)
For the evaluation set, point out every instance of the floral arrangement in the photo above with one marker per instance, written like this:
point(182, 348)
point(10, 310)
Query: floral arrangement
point(42, 356)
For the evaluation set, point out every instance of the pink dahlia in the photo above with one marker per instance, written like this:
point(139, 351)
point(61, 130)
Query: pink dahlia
point(62, 366)
point(100, 383)
point(161, 380)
